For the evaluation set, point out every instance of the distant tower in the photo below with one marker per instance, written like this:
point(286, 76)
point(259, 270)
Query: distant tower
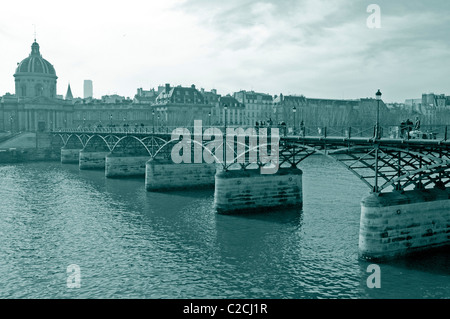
point(88, 91)
point(69, 95)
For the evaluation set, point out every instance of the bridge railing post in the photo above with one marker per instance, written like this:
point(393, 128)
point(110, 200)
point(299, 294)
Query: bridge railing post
point(445, 135)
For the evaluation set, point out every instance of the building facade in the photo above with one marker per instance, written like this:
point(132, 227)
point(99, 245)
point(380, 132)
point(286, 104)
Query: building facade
point(178, 106)
point(258, 106)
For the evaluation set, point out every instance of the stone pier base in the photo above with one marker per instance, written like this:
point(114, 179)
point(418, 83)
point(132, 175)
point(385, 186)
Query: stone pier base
point(248, 190)
point(166, 176)
point(396, 224)
point(125, 166)
point(92, 160)
point(70, 156)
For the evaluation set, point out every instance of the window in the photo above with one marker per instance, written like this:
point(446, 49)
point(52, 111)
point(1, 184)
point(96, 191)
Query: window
point(39, 89)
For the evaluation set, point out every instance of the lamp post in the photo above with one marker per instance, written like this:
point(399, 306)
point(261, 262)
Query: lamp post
point(377, 128)
point(110, 122)
point(153, 120)
point(377, 136)
point(225, 108)
point(11, 120)
point(84, 123)
point(209, 118)
point(294, 109)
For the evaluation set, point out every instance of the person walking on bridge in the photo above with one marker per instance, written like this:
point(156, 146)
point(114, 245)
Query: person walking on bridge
point(417, 124)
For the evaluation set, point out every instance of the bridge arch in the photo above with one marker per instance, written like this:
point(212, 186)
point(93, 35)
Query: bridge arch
point(75, 141)
point(396, 167)
point(100, 143)
point(131, 145)
point(167, 154)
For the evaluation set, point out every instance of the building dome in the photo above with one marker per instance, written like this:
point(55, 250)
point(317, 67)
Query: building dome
point(35, 76)
point(34, 63)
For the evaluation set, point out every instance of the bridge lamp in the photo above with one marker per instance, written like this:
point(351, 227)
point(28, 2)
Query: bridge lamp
point(378, 97)
point(294, 110)
point(209, 118)
point(225, 107)
point(153, 120)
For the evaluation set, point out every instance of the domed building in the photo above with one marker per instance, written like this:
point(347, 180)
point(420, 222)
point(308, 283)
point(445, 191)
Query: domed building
point(35, 106)
point(35, 76)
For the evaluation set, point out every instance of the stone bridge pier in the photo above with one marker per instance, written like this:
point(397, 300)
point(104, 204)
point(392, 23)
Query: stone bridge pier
point(127, 158)
point(399, 223)
point(164, 175)
point(250, 191)
point(93, 155)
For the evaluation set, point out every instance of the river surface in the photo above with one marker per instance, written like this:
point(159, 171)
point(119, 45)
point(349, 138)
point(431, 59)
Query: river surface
point(130, 243)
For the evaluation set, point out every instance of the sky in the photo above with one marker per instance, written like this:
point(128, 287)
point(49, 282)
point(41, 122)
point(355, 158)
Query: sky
point(317, 48)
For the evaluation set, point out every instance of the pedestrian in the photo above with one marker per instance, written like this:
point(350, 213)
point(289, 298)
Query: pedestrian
point(402, 129)
point(409, 125)
point(417, 124)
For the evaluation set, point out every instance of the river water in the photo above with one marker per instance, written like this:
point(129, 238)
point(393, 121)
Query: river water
point(130, 243)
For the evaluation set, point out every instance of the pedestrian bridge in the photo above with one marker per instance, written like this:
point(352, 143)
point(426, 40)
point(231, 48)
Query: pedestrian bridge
point(381, 164)
point(408, 204)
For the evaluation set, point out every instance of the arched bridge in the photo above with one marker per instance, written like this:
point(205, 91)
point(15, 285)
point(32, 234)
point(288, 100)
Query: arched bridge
point(381, 163)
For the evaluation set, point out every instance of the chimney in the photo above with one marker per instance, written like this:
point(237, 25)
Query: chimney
point(167, 87)
point(193, 86)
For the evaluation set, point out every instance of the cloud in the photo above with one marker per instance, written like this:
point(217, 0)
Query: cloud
point(320, 48)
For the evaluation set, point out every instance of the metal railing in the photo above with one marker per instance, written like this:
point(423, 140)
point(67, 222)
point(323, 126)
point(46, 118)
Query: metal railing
point(391, 131)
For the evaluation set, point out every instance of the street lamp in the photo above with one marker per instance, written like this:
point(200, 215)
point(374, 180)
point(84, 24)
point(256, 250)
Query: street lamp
point(294, 109)
point(209, 118)
point(225, 108)
point(153, 120)
point(377, 128)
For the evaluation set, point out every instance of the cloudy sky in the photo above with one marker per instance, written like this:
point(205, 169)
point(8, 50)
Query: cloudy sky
point(318, 48)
